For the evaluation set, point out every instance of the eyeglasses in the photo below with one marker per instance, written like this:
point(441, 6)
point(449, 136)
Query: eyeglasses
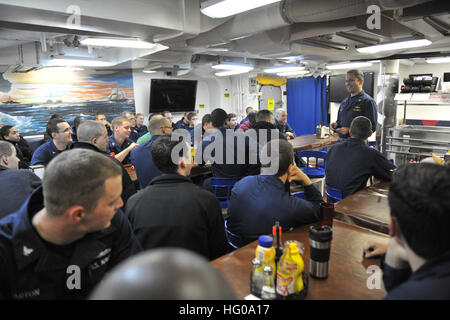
point(66, 130)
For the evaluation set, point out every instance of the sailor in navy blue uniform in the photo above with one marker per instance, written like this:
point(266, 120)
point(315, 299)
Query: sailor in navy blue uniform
point(280, 122)
point(247, 111)
point(183, 123)
point(358, 103)
point(17, 184)
point(257, 201)
point(141, 157)
point(416, 262)
point(62, 250)
point(140, 128)
point(119, 145)
point(350, 163)
point(61, 134)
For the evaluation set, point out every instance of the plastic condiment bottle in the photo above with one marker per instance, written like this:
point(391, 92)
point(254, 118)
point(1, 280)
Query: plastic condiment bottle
point(298, 260)
point(256, 278)
point(268, 289)
point(290, 270)
point(265, 252)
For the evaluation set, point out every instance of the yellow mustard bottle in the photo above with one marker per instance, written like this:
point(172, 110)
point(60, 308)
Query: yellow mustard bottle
point(298, 260)
point(289, 272)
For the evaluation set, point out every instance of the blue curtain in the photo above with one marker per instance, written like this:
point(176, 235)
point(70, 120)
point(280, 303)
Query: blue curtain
point(306, 104)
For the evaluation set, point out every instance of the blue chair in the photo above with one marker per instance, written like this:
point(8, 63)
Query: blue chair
point(317, 171)
point(34, 142)
point(333, 194)
point(299, 194)
point(222, 189)
point(233, 239)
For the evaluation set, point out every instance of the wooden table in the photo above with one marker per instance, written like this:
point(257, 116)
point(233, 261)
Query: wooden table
point(311, 142)
point(368, 208)
point(348, 269)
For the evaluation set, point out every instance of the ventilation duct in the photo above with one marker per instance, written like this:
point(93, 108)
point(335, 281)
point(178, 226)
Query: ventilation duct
point(289, 12)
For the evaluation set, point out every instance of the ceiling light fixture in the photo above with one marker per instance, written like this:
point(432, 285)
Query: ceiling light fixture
point(293, 73)
point(218, 49)
point(149, 71)
point(352, 65)
point(233, 66)
point(119, 43)
point(439, 60)
point(230, 72)
point(64, 61)
point(226, 8)
point(293, 58)
point(285, 68)
point(395, 46)
point(67, 68)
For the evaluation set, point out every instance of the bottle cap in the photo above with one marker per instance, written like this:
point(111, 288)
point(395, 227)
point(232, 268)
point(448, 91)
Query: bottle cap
point(256, 263)
point(265, 241)
point(293, 247)
point(321, 234)
point(267, 270)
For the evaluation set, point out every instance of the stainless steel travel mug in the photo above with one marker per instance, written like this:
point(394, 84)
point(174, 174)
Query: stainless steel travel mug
point(319, 246)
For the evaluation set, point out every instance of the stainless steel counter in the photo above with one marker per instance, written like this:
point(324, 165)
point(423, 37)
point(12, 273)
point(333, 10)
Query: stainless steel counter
point(407, 142)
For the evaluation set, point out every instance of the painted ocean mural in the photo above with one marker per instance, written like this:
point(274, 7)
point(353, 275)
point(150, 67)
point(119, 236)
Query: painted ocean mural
point(27, 100)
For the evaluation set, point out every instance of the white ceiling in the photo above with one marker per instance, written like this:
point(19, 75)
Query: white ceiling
point(319, 31)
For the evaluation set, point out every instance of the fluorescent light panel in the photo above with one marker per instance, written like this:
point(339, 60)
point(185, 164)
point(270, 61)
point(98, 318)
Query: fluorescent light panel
point(72, 62)
point(68, 68)
point(292, 73)
point(230, 72)
point(439, 60)
point(119, 43)
point(233, 66)
point(395, 46)
point(149, 71)
point(226, 8)
point(286, 68)
point(348, 65)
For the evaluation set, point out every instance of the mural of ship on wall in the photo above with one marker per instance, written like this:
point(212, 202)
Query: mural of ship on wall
point(36, 96)
point(50, 101)
point(117, 95)
point(10, 100)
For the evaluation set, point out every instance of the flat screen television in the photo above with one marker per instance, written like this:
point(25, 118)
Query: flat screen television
point(172, 95)
point(337, 91)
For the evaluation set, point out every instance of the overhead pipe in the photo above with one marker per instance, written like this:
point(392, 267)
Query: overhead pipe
point(358, 38)
point(289, 12)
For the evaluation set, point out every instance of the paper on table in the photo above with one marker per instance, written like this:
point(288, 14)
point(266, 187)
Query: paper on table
point(252, 297)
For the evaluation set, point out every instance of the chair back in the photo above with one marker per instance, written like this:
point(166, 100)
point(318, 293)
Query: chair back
point(222, 189)
point(333, 194)
point(237, 241)
point(233, 239)
point(318, 169)
point(299, 194)
point(34, 141)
